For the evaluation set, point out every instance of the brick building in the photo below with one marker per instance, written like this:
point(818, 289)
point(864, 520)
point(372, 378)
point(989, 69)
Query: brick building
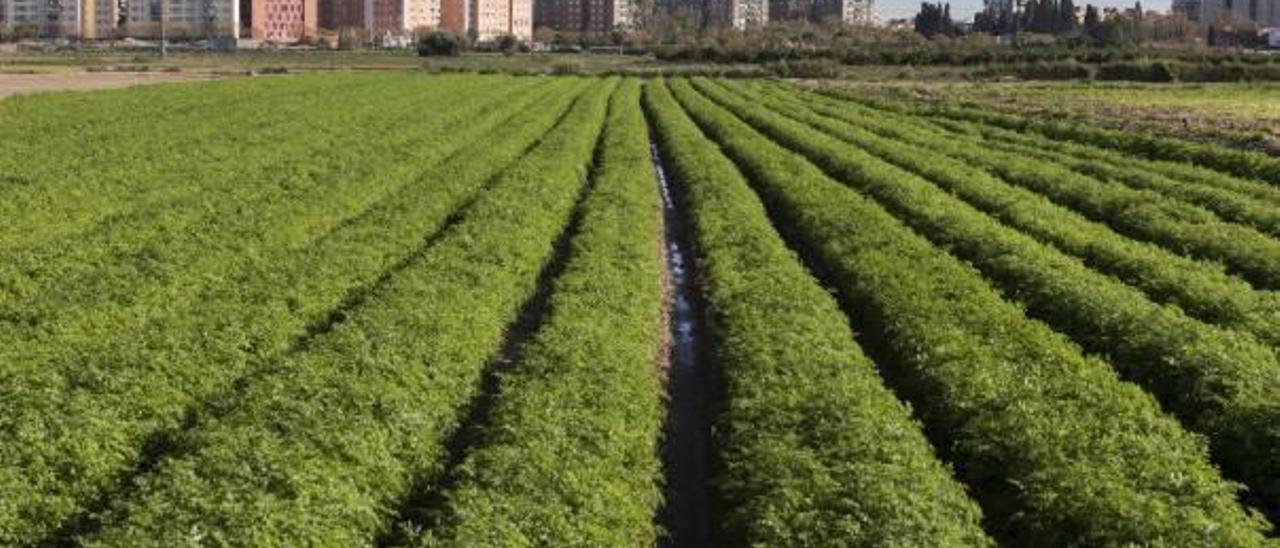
point(590, 16)
point(283, 21)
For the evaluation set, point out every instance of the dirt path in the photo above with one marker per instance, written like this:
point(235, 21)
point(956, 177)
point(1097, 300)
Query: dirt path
point(17, 84)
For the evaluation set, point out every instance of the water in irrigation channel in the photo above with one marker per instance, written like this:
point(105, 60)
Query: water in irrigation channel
point(686, 451)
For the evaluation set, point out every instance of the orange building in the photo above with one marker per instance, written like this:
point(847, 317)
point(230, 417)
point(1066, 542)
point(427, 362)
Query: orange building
point(488, 19)
point(285, 21)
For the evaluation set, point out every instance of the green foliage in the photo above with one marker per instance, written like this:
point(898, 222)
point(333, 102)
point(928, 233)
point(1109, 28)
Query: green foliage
point(1221, 384)
point(245, 287)
point(317, 448)
point(569, 456)
point(1143, 214)
point(1231, 199)
point(1058, 450)
point(1202, 289)
point(440, 43)
point(1244, 164)
point(814, 449)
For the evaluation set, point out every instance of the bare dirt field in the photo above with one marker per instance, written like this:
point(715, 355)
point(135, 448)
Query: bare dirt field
point(15, 84)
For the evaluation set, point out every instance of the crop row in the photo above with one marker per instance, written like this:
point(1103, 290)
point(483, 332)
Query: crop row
point(62, 177)
point(569, 453)
point(1143, 214)
point(1222, 384)
point(1246, 164)
point(83, 404)
point(1227, 203)
point(814, 449)
point(1202, 289)
point(319, 447)
point(294, 190)
point(1055, 447)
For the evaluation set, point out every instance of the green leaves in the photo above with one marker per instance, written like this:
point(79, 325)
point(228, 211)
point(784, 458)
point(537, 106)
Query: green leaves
point(815, 450)
point(569, 455)
point(1223, 384)
point(1057, 450)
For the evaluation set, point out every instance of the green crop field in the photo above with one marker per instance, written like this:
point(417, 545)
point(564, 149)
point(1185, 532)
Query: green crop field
point(1242, 115)
point(405, 309)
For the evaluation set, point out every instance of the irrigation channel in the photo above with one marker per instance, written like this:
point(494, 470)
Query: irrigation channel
point(686, 451)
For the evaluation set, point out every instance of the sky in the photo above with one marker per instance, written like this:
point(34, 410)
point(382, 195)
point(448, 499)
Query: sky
point(963, 10)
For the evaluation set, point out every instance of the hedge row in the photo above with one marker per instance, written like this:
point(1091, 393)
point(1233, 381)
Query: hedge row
point(1144, 214)
point(318, 448)
point(584, 400)
point(1222, 384)
point(815, 451)
point(1202, 289)
point(83, 404)
point(1057, 449)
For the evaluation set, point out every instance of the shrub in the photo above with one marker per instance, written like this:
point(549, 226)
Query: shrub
point(440, 44)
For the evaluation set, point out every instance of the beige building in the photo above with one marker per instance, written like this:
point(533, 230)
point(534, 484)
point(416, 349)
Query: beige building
point(482, 19)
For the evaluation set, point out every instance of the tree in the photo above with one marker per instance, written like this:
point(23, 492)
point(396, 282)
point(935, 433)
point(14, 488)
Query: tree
point(507, 43)
point(1067, 16)
point(1091, 19)
point(934, 19)
point(439, 43)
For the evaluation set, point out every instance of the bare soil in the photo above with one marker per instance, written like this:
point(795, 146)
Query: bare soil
point(18, 84)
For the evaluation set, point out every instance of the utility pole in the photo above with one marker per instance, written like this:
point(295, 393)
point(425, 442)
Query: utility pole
point(164, 42)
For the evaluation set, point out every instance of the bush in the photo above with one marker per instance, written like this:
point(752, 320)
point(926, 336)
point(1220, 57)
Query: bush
point(440, 44)
point(806, 68)
point(1146, 71)
point(507, 44)
point(566, 67)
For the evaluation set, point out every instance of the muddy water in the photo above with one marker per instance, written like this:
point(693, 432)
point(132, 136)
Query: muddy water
point(686, 449)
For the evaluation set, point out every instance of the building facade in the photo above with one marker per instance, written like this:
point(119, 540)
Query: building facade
point(1187, 8)
point(822, 11)
point(589, 16)
point(283, 21)
point(1265, 13)
point(170, 18)
point(738, 14)
point(49, 18)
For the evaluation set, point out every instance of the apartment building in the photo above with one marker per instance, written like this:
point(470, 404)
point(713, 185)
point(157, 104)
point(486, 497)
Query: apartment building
point(51, 18)
point(738, 14)
point(1265, 13)
point(845, 11)
point(489, 19)
point(822, 11)
point(400, 16)
point(283, 21)
point(180, 18)
point(1188, 8)
point(482, 19)
point(590, 16)
point(279, 21)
